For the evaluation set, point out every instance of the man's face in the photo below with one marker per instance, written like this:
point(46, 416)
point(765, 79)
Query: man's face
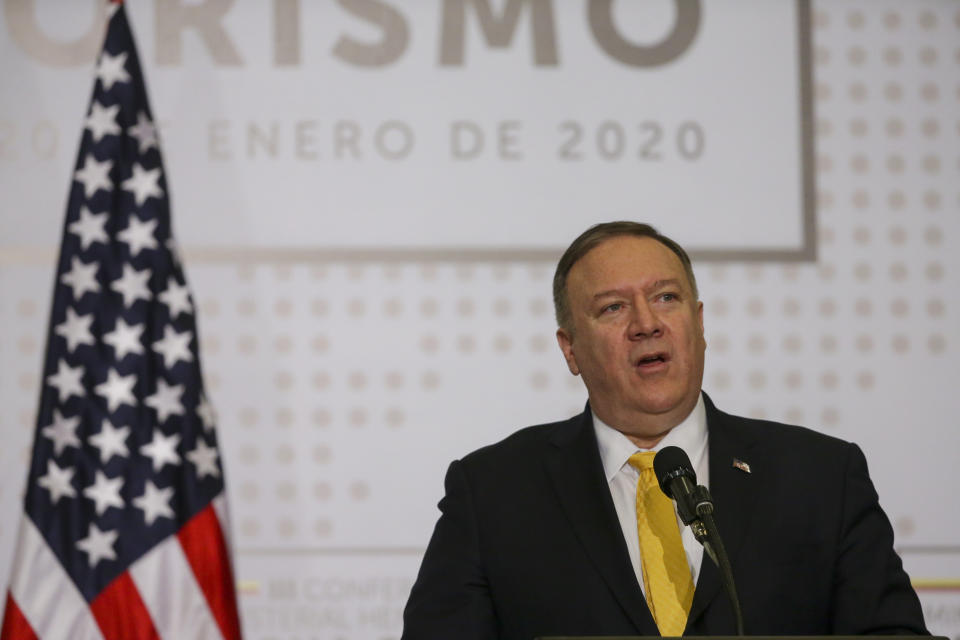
point(636, 335)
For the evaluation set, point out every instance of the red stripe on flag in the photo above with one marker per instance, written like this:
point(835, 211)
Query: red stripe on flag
point(15, 625)
point(206, 550)
point(120, 612)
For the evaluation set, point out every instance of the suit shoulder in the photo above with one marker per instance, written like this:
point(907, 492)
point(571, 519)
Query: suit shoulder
point(784, 436)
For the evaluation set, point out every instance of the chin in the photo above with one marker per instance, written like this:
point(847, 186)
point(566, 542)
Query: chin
point(660, 404)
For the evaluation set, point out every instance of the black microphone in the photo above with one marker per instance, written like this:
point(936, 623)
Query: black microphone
point(695, 506)
point(679, 481)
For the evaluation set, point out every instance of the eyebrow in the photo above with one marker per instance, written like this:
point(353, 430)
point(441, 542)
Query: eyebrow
point(659, 284)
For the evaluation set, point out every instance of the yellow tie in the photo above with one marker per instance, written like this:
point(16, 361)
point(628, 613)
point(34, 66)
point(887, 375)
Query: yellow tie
point(666, 575)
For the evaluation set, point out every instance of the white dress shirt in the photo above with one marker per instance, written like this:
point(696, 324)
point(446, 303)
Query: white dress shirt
point(615, 451)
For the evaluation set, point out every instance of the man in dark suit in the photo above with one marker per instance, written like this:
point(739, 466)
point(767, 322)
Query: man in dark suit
point(544, 533)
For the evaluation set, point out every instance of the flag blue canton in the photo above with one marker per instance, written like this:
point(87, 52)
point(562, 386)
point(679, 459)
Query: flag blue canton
point(125, 451)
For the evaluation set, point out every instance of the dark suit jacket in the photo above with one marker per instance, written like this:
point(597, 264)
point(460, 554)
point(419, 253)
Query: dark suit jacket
point(528, 543)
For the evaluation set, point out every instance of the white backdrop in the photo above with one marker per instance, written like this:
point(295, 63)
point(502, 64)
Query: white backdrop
point(370, 222)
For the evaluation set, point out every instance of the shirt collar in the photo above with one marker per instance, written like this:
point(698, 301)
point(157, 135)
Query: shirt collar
point(690, 435)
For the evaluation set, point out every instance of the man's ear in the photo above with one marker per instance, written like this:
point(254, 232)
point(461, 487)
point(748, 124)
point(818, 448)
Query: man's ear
point(703, 337)
point(565, 340)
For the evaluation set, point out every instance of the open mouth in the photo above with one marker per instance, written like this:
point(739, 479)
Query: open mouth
point(652, 361)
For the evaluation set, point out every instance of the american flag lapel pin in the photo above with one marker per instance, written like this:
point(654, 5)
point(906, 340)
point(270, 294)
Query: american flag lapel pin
point(740, 464)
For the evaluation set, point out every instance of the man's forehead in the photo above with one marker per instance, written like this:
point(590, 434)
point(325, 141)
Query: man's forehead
point(638, 259)
point(654, 285)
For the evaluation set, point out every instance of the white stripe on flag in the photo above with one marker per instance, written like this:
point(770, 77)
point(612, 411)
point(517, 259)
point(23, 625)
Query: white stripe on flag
point(46, 595)
point(223, 515)
point(171, 594)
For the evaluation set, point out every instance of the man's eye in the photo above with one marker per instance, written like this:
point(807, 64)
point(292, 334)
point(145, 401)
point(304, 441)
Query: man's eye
point(616, 306)
point(668, 297)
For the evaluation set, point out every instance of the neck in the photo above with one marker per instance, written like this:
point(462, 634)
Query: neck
point(644, 430)
point(644, 442)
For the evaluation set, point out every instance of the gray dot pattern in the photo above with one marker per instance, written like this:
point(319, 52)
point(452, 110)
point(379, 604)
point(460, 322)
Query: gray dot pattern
point(330, 377)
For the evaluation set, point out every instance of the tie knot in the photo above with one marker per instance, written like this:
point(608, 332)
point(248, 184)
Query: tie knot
point(643, 460)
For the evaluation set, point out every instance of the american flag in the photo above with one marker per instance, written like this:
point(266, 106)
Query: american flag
point(124, 534)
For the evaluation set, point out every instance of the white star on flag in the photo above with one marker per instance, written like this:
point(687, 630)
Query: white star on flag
point(139, 235)
point(105, 492)
point(111, 441)
point(75, 329)
point(132, 285)
point(155, 503)
point(174, 346)
point(94, 175)
point(57, 482)
point(81, 278)
point(145, 132)
point(98, 545)
point(117, 390)
point(125, 339)
point(111, 69)
point(204, 458)
point(162, 449)
point(166, 400)
point(143, 184)
point(62, 431)
point(67, 381)
point(206, 412)
point(90, 228)
point(174, 252)
point(102, 120)
point(177, 298)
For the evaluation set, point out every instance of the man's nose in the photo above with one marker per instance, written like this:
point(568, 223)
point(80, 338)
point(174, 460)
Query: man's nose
point(645, 323)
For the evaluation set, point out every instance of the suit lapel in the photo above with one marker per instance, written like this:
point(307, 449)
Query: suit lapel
point(734, 493)
point(574, 467)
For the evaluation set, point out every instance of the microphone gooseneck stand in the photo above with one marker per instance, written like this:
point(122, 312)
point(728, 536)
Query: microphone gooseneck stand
point(695, 508)
point(713, 545)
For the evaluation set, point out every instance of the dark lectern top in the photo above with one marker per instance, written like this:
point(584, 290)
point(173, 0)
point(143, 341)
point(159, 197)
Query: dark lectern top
point(759, 637)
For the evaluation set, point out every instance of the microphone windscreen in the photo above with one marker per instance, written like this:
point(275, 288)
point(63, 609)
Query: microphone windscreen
point(671, 463)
